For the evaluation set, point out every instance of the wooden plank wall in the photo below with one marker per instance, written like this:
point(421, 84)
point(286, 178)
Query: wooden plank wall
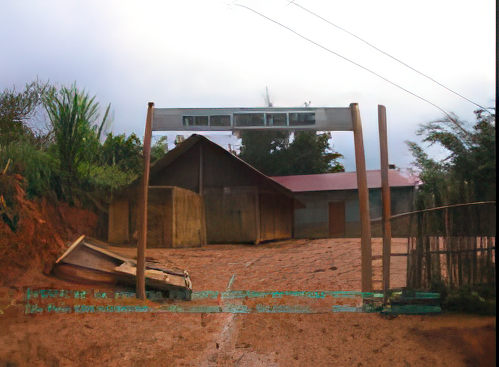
point(276, 217)
point(230, 214)
point(187, 217)
point(183, 172)
point(118, 220)
point(160, 218)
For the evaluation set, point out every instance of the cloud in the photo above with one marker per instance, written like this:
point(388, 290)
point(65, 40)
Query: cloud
point(207, 54)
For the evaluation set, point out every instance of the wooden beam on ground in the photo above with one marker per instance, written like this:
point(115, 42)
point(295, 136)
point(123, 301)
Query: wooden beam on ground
point(142, 240)
point(365, 223)
point(385, 197)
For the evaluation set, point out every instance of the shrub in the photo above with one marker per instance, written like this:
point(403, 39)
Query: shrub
point(476, 299)
point(36, 166)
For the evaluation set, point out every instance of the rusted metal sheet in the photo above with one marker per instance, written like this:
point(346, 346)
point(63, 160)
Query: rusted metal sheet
point(88, 260)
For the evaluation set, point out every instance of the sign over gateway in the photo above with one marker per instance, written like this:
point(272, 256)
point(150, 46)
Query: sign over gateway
point(267, 118)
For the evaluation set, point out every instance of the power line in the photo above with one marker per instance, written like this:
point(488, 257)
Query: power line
point(385, 53)
point(353, 62)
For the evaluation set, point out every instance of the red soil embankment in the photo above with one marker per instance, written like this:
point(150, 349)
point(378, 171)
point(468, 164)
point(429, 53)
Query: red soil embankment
point(41, 233)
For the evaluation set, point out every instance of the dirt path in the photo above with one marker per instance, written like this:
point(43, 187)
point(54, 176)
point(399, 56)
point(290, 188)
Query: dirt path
point(259, 339)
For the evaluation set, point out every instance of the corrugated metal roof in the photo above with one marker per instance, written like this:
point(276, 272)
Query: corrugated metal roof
point(342, 181)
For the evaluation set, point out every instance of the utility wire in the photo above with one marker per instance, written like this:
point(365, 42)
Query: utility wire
point(360, 66)
point(385, 53)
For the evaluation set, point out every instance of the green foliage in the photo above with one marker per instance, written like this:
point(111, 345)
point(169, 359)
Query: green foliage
point(159, 149)
point(119, 162)
point(73, 115)
point(271, 153)
point(72, 164)
point(310, 153)
point(123, 152)
point(16, 108)
point(471, 299)
point(108, 177)
point(264, 150)
point(36, 166)
point(468, 173)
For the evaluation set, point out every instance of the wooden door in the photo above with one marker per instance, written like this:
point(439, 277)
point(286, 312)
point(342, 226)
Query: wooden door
point(337, 219)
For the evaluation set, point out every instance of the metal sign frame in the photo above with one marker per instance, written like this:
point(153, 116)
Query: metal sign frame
point(255, 118)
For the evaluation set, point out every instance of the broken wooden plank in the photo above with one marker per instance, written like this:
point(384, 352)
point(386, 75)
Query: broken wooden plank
point(71, 248)
point(84, 275)
point(156, 277)
point(89, 260)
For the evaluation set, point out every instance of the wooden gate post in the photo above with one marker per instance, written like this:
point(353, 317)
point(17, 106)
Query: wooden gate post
point(365, 222)
point(142, 240)
point(385, 196)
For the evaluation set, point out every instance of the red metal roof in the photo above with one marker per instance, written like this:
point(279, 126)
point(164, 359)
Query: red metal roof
point(342, 181)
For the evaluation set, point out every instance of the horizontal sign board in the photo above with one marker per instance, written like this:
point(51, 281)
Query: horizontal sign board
point(234, 119)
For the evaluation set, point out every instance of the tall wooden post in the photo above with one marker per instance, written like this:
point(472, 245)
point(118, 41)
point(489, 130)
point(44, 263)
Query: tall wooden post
point(385, 197)
point(365, 221)
point(142, 240)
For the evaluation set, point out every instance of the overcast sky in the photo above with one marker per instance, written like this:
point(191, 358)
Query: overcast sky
point(211, 53)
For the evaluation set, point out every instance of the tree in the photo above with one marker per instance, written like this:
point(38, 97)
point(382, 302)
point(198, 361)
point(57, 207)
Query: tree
point(118, 150)
point(73, 115)
point(272, 153)
point(310, 153)
point(120, 161)
point(19, 152)
point(17, 108)
point(264, 149)
point(160, 148)
point(468, 173)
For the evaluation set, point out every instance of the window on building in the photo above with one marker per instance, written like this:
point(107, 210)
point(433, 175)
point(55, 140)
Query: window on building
point(248, 119)
point(195, 120)
point(277, 119)
point(301, 118)
point(222, 120)
point(188, 120)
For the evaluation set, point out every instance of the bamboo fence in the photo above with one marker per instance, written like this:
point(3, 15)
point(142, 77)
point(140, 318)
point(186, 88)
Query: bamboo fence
point(453, 245)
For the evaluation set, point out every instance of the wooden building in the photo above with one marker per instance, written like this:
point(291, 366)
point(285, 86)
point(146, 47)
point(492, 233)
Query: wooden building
point(201, 193)
point(332, 203)
point(174, 217)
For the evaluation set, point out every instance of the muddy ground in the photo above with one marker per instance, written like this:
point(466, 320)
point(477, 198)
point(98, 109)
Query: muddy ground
point(258, 339)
